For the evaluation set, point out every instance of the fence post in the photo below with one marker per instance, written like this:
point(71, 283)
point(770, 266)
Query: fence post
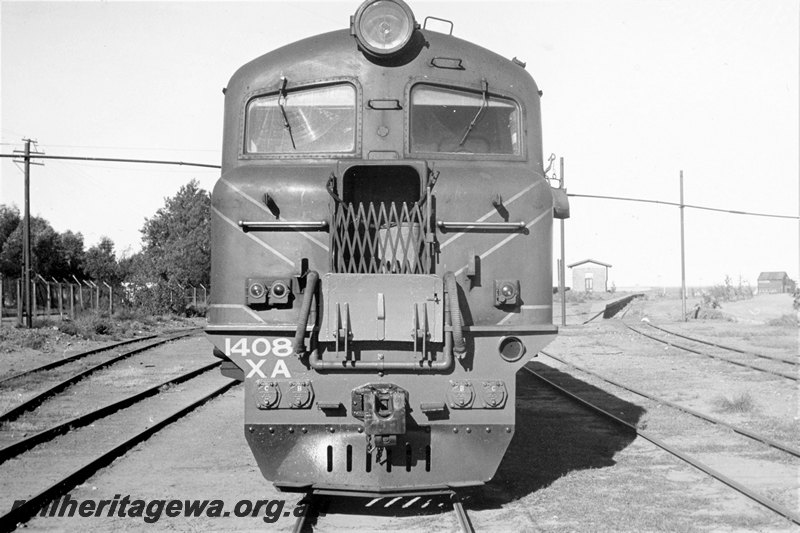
point(47, 305)
point(96, 296)
point(2, 297)
point(110, 298)
point(194, 296)
point(205, 294)
point(72, 301)
point(60, 297)
point(80, 291)
point(34, 305)
point(19, 302)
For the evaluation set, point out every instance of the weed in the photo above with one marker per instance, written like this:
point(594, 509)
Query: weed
point(102, 326)
point(741, 403)
point(787, 320)
point(69, 328)
point(35, 340)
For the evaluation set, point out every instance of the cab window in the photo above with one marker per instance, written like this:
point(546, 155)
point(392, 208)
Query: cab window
point(450, 120)
point(315, 120)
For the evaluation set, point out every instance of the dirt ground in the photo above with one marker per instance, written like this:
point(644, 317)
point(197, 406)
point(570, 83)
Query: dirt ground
point(566, 470)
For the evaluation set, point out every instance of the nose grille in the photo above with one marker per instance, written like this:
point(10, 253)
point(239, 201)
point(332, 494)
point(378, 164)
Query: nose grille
point(380, 238)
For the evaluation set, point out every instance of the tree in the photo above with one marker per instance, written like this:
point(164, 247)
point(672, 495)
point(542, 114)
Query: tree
point(177, 239)
point(100, 263)
point(9, 220)
point(73, 254)
point(46, 256)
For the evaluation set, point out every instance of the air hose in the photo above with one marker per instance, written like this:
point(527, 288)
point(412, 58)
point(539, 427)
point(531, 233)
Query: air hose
point(459, 345)
point(305, 311)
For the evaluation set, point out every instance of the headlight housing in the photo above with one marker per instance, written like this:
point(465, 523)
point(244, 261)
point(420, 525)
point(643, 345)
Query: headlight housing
point(383, 28)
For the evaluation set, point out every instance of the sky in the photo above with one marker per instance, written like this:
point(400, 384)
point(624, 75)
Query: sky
point(634, 92)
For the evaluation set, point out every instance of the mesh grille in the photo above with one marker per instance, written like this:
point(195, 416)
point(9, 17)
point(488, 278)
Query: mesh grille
point(379, 238)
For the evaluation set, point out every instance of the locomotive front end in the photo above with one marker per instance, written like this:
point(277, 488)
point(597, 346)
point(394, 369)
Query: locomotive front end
point(381, 260)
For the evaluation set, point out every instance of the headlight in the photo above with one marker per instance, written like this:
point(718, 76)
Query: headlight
point(383, 27)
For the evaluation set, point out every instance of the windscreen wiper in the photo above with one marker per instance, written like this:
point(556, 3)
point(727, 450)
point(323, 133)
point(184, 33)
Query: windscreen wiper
point(281, 104)
point(484, 105)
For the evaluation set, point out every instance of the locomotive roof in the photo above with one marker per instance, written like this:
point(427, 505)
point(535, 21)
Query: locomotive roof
point(335, 54)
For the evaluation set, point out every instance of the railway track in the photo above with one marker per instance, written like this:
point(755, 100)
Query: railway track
point(51, 462)
point(725, 347)
point(50, 388)
point(697, 351)
point(26, 443)
point(765, 501)
point(74, 357)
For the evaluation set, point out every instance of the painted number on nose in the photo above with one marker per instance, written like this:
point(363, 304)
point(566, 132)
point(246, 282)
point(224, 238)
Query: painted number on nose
point(262, 347)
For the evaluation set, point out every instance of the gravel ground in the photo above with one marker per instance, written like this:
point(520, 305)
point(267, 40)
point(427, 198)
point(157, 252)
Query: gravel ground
point(566, 469)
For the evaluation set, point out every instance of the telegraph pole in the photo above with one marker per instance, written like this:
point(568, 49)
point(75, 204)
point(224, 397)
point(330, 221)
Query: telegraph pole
point(683, 258)
point(27, 295)
point(26, 239)
point(562, 272)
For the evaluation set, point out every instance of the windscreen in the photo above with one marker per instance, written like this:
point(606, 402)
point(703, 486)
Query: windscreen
point(449, 120)
point(316, 120)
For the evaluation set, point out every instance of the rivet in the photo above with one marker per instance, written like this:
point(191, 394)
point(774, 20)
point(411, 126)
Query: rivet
point(251, 429)
point(304, 430)
point(361, 430)
point(455, 430)
point(469, 430)
point(272, 430)
point(508, 430)
point(488, 430)
point(291, 430)
point(332, 430)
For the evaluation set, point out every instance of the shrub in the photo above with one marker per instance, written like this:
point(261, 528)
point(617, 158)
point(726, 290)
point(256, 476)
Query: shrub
point(199, 310)
point(741, 403)
point(35, 340)
point(789, 319)
point(102, 326)
point(70, 328)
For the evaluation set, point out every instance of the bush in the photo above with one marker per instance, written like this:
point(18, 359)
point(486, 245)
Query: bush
point(728, 292)
point(70, 328)
point(742, 403)
point(199, 310)
point(102, 326)
point(789, 320)
point(34, 340)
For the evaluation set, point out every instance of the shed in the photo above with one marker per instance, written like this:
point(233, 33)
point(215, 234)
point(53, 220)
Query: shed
point(590, 274)
point(775, 282)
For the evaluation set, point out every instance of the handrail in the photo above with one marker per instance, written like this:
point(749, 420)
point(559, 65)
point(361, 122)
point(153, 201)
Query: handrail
point(278, 225)
point(452, 225)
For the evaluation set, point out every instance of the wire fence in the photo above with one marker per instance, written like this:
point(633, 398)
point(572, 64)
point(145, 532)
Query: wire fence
point(66, 299)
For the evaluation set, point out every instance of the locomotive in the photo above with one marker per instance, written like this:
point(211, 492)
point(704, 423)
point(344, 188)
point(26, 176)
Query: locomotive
point(381, 255)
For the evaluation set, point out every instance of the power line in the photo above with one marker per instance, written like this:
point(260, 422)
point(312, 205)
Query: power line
point(675, 204)
point(141, 148)
point(118, 160)
point(595, 196)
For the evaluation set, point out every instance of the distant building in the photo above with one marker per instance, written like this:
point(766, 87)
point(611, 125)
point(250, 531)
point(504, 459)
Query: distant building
point(775, 282)
point(590, 275)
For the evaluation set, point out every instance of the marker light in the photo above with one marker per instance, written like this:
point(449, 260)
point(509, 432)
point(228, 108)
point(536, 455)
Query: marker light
point(257, 290)
point(383, 27)
point(508, 291)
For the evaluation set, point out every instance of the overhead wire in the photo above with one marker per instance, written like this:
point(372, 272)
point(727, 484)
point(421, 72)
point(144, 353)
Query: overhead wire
point(690, 206)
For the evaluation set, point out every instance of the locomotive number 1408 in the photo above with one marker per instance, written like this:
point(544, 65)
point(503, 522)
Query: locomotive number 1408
point(261, 347)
